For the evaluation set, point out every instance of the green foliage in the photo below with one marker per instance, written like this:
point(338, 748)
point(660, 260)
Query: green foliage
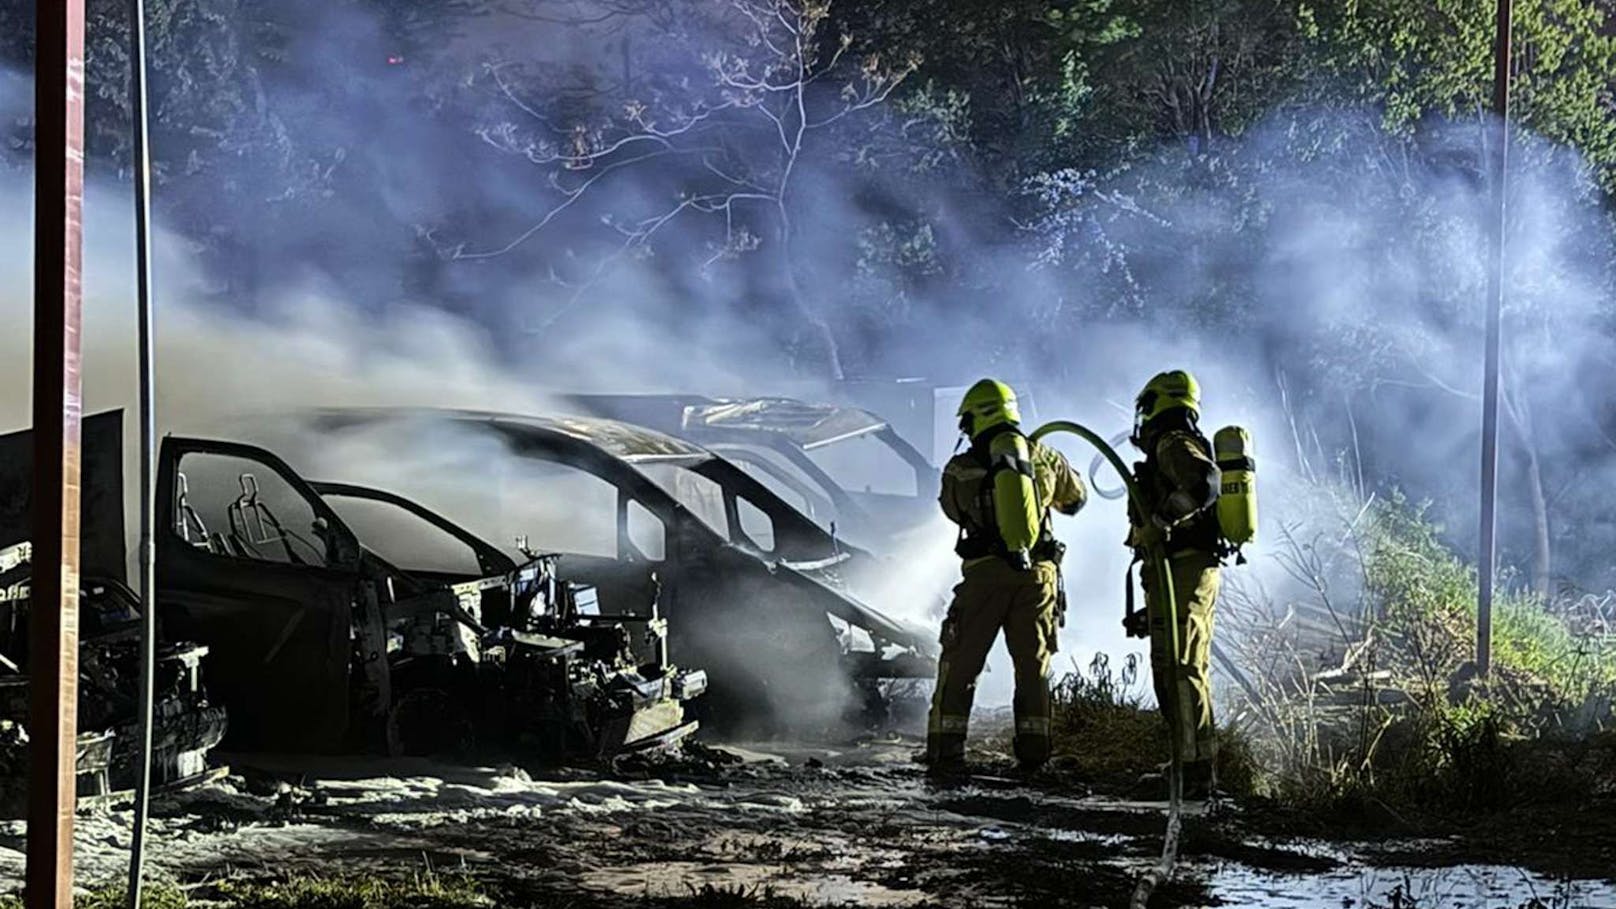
point(1416, 58)
point(1410, 573)
point(1416, 734)
point(152, 896)
point(1426, 597)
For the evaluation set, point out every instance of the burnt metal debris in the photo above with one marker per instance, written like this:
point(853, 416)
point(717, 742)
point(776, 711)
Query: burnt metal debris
point(274, 608)
point(323, 645)
point(187, 724)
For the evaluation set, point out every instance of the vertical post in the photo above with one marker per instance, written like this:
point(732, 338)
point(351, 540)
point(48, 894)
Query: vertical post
point(53, 614)
point(141, 166)
point(1499, 149)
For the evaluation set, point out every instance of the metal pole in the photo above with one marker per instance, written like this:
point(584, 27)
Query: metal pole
point(53, 614)
point(1495, 306)
point(140, 161)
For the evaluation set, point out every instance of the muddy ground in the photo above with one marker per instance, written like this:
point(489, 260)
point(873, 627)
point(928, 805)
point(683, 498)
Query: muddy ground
point(857, 824)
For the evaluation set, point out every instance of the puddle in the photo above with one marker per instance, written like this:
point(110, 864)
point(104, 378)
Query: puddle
point(1358, 887)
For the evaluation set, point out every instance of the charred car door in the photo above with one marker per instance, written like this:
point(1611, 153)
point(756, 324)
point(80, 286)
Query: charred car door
point(254, 564)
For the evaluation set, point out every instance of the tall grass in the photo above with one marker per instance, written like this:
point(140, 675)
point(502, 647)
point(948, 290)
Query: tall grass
point(1360, 689)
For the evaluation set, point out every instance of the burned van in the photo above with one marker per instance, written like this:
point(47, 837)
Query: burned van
point(752, 590)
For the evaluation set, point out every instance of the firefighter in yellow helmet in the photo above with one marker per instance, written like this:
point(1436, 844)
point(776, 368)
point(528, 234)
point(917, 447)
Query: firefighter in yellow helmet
point(1000, 492)
point(1180, 481)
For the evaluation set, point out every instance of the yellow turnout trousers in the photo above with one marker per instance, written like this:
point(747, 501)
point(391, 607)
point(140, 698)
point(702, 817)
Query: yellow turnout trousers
point(994, 595)
point(1195, 586)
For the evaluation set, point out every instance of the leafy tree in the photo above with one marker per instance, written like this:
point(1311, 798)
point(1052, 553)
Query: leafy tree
point(1417, 59)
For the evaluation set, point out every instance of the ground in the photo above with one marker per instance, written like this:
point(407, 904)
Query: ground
point(795, 825)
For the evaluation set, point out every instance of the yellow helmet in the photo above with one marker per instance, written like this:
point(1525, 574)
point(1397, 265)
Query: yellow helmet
point(1165, 391)
point(987, 404)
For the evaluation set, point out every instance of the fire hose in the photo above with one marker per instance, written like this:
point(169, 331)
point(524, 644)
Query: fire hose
point(1156, 555)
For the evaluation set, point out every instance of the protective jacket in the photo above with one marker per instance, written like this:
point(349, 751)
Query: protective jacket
point(1000, 492)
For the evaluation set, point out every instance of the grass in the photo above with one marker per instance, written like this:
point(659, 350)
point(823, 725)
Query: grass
point(1420, 587)
point(1100, 728)
point(419, 891)
point(709, 896)
point(1411, 734)
point(152, 896)
point(1104, 733)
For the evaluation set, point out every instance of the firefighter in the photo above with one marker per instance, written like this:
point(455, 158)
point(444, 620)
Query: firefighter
point(1180, 481)
point(1000, 492)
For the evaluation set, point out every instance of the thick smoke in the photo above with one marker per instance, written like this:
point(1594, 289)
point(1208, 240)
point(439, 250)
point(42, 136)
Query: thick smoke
point(1359, 335)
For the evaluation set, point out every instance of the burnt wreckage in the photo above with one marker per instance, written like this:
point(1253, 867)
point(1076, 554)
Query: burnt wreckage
point(321, 644)
point(187, 725)
point(750, 588)
point(815, 454)
point(312, 640)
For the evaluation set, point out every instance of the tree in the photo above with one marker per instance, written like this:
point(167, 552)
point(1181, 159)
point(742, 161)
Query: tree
point(723, 128)
point(1417, 59)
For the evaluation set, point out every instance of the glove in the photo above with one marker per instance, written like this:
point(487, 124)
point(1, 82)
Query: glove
point(1136, 624)
point(1149, 535)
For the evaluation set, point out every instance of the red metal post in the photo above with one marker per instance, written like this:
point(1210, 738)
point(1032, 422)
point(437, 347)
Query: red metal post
point(53, 618)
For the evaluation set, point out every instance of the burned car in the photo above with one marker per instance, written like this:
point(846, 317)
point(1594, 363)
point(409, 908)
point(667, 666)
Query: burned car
point(321, 643)
point(845, 467)
point(187, 722)
point(186, 725)
point(751, 589)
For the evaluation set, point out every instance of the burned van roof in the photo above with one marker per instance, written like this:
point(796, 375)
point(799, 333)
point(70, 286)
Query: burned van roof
point(635, 444)
point(807, 425)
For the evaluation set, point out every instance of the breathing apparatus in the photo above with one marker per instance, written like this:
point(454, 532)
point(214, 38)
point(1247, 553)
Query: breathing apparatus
point(1011, 490)
point(1232, 450)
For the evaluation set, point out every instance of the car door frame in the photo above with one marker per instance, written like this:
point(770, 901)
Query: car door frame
point(202, 593)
